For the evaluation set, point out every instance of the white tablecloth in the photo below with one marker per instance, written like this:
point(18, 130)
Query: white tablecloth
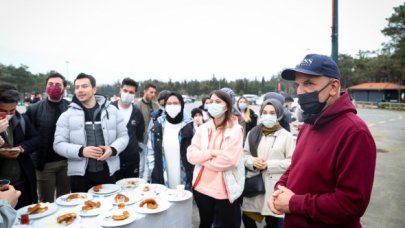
point(179, 215)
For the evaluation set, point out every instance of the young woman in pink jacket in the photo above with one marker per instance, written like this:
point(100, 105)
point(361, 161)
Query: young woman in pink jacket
point(216, 151)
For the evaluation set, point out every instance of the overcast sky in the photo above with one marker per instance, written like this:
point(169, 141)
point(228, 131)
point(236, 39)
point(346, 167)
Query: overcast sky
point(182, 39)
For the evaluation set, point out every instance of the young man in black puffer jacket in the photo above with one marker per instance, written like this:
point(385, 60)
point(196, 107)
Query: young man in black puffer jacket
point(129, 158)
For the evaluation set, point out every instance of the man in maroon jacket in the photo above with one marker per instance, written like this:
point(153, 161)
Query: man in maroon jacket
point(331, 176)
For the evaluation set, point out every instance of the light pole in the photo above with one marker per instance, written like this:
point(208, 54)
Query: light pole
point(335, 33)
point(67, 77)
point(67, 70)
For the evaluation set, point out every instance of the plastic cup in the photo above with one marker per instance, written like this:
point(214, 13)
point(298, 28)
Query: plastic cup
point(121, 202)
point(121, 205)
point(180, 191)
point(24, 219)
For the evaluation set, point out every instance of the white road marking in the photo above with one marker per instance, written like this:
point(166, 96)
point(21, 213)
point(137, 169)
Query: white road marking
point(382, 122)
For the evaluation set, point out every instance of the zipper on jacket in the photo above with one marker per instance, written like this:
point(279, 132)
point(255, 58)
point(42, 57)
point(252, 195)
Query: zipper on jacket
point(85, 142)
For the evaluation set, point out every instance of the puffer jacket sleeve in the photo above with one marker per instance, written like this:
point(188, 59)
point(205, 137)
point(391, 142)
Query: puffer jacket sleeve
point(62, 144)
point(149, 155)
point(122, 139)
point(7, 214)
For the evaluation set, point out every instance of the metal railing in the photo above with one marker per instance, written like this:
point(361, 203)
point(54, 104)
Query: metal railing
point(381, 105)
point(391, 106)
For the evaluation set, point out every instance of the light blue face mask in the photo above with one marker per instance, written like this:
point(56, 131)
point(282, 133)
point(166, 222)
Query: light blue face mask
point(242, 106)
point(216, 110)
point(268, 120)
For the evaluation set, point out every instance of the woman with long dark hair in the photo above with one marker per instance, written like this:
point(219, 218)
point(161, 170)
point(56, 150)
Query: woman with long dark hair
point(216, 151)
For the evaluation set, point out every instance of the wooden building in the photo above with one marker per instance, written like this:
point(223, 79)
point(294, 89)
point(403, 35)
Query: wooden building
point(378, 92)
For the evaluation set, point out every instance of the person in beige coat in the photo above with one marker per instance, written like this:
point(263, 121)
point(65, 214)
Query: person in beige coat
point(268, 149)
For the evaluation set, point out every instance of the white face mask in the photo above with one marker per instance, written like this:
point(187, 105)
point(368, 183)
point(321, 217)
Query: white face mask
point(127, 98)
point(268, 120)
point(216, 110)
point(173, 110)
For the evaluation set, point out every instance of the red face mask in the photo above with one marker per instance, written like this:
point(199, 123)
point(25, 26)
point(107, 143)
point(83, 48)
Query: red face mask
point(54, 92)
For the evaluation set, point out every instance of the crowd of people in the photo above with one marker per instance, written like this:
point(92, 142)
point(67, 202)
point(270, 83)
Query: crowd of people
point(323, 178)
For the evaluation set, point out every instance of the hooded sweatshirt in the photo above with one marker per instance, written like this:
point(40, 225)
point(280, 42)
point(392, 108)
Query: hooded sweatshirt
point(332, 170)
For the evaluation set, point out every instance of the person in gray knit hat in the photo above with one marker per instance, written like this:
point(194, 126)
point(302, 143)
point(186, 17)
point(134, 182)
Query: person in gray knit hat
point(235, 111)
point(231, 93)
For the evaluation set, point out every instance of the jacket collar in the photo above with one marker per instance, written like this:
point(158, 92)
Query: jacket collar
point(341, 106)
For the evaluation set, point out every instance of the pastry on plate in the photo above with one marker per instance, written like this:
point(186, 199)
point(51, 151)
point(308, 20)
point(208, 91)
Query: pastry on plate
point(67, 218)
point(149, 202)
point(133, 182)
point(146, 188)
point(123, 216)
point(90, 205)
point(74, 196)
point(119, 198)
point(37, 208)
point(97, 188)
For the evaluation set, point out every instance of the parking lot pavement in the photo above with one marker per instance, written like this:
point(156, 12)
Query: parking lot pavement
point(388, 198)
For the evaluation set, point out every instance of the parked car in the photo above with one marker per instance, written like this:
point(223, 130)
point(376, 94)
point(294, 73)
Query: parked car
point(251, 98)
point(188, 99)
point(260, 100)
point(68, 97)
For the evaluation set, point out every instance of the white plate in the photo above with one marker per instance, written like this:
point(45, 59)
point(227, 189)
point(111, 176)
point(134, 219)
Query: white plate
point(51, 221)
point(171, 195)
point(109, 194)
point(106, 189)
point(105, 206)
point(133, 198)
point(102, 221)
point(51, 209)
point(162, 206)
point(130, 183)
point(62, 199)
point(154, 189)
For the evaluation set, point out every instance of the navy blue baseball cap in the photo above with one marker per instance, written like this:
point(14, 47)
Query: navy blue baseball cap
point(314, 64)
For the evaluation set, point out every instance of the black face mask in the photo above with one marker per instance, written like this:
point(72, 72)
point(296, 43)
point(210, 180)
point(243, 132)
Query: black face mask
point(311, 106)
